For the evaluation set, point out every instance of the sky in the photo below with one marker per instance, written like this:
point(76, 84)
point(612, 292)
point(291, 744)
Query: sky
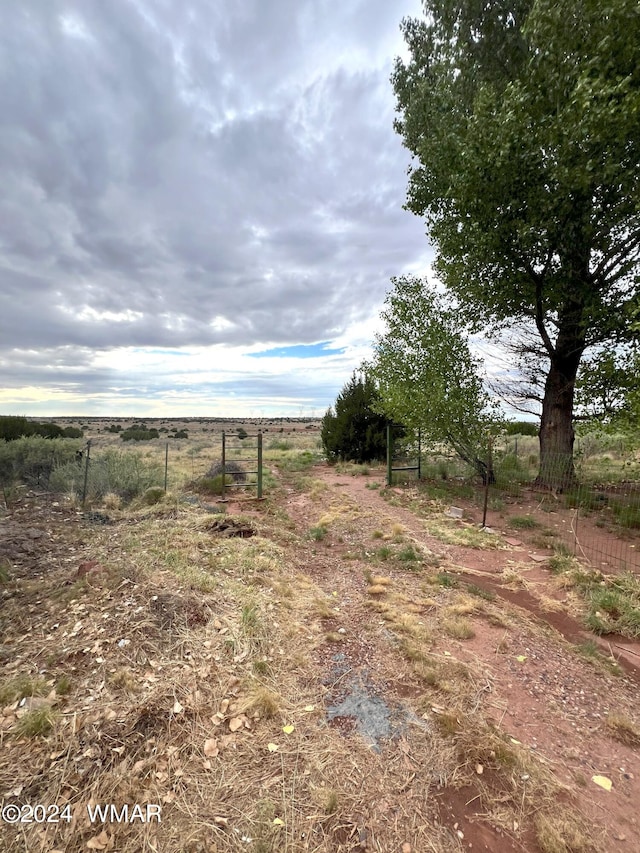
point(202, 203)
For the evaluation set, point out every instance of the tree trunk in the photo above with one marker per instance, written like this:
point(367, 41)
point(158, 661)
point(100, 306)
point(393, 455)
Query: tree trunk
point(556, 431)
point(556, 424)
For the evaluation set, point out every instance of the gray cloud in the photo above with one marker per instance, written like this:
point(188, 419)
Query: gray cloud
point(190, 174)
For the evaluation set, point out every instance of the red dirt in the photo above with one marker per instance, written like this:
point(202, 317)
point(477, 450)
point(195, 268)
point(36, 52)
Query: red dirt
point(545, 695)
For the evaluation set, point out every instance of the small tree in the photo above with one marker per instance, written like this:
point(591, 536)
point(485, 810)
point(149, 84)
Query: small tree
point(427, 377)
point(355, 429)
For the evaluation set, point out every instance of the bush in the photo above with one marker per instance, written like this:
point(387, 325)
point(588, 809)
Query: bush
point(242, 433)
point(522, 428)
point(72, 432)
point(33, 459)
point(12, 428)
point(139, 433)
point(213, 485)
point(354, 430)
point(232, 469)
point(153, 495)
point(123, 473)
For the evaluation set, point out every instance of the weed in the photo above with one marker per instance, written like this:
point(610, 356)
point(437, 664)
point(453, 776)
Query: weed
point(4, 571)
point(446, 580)
point(460, 629)
point(22, 686)
point(462, 606)
point(213, 485)
point(486, 594)
point(36, 723)
point(318, 533)
point(560, 563)
point(561, 832)
point(251, 622)
point(622, 729)
point(448, 724)
point(383, 553)
point(408, 555)
point(262, 701)
point(331, 803)
point(153, 496)
point(323, 608)
point(523, 522)
point(615, 607)
point(334, 637)
point(125, 679)
point(63, 685)
point(377, 534)
point(112, 501)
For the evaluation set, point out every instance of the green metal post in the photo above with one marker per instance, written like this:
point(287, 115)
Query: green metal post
point(389, 454)
point(86, 474)
point(419, 453)
point(259, 464)
point(486, 484)
point(166, 466)
point(224, 463)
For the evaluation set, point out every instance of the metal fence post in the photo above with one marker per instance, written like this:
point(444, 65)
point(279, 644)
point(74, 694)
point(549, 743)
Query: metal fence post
point(166, 466)
point(86, 474)
point(259, 464)
point(419, 453)
point(224, 463)
point(389, 454)
point(487, 479)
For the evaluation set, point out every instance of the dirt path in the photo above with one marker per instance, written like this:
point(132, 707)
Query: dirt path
point(539, 688)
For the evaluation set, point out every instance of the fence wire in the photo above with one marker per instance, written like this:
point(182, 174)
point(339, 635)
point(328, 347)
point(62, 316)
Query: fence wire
point(596, 517)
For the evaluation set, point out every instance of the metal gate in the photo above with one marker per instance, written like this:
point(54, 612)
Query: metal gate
point(228, 444)
point(405, 466)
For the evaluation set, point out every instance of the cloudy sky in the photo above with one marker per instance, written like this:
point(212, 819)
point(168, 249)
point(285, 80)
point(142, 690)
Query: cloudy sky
point(201, 202)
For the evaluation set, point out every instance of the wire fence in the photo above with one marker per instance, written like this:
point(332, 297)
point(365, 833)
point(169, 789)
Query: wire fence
point(96, 471)
point(595, 516)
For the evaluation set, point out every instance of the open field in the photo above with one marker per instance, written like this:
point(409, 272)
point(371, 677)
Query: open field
point(338, 667)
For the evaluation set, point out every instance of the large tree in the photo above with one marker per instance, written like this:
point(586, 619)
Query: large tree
point(523, 117)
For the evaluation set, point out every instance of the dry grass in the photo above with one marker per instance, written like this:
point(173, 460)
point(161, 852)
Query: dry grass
point(622, 729)
point(458, 628)
point(561, 832)
point(197, 671)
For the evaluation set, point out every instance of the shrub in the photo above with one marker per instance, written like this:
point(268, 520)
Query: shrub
point(232, 469)
point(153, 495)
point(242, 433)
point(139, 433)
point(72, 432)
point(13, 428)
point(124, 473)
point(32, 459)
point(213, 485)
point(354, 430)
point(522, 428)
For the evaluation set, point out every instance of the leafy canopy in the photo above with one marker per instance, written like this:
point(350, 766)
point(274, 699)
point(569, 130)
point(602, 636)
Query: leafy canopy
point(523, 117)
point(426, 375)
